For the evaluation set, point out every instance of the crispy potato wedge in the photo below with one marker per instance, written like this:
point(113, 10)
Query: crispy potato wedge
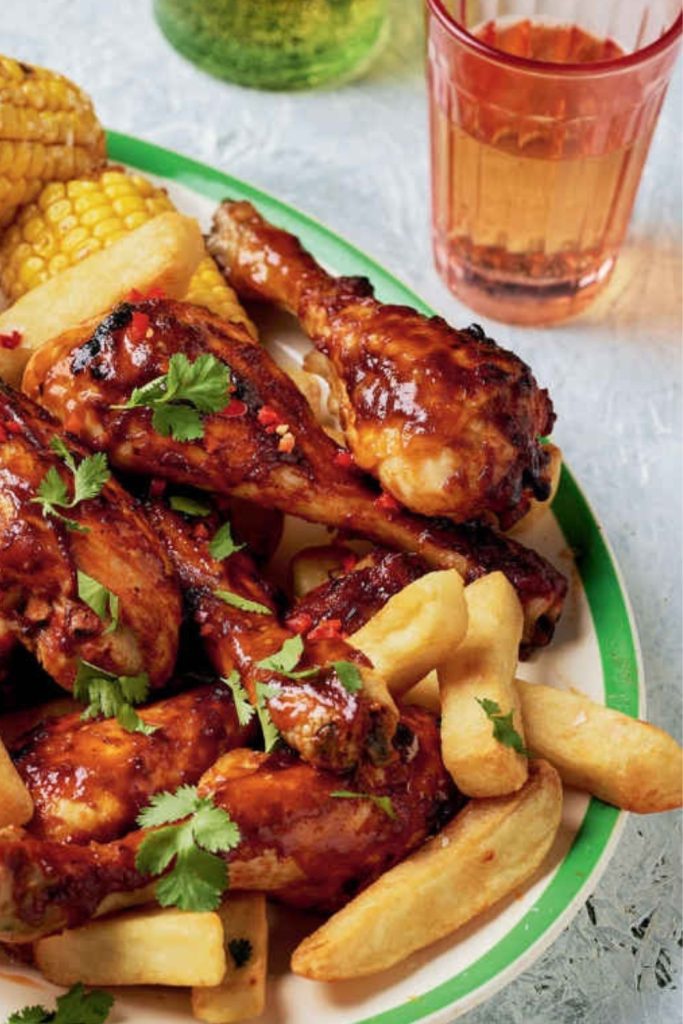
point(537, 509)
point(425, 694)
point(487, 852)
point(242, 992)
point(139, 947)
point(483, 667)
point(164, 253)
point(622, 760)
point(16, 805)
point(416, 629)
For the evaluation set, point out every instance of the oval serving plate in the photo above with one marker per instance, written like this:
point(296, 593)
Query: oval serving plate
point(595, 649)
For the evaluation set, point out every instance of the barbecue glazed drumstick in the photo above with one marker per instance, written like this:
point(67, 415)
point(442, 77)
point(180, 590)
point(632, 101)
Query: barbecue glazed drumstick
point(301, 844)
point(316, 715)
point(445, 419)
point(82, 375)
point(40, 557)
point(89, 780)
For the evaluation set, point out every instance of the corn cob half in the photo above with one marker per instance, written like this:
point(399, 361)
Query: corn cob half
point(69, 220)
point(48, 132)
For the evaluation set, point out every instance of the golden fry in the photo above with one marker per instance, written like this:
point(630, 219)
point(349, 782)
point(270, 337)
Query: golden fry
point(483, 668)
point(625, 762)
point(139, 947)
point(16, 805)
point(487, 852)
point(162, 253)
point(242, 992)
point(416, 629)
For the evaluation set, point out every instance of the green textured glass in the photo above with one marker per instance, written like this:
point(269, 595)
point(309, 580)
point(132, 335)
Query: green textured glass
point(276, 44)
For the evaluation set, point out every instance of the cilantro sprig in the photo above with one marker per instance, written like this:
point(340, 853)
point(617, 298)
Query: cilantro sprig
point(222, 544)
point(271, 733)
point(103, 602)
point(287, 658)
point(244, 709)
point(348, 675)
point(75, 1007)
point(382, 802)
point(198, 877)
point(89, 477)
point(112, 696)
point(243, 603)
point(179, 397)
point(189, 506)
point(503, 729)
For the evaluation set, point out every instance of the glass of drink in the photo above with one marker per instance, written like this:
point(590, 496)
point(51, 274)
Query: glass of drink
point(541, 118)
point(276, 44)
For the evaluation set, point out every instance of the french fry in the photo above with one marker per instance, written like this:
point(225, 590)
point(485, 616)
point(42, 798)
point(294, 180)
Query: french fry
point(139, 947)
point(425, 694)
point(483, 668)
point(625, 762)
point(537, 509)
point(242, 992)
point(487, 852)
point(415, 630)
point(162, 253)
point(16, 805)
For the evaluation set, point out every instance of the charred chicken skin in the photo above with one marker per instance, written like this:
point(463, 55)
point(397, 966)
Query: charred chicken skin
point(447, 420)
point(299, 843)
point(90, 779)
point(40, 558)
point(315, 714)
point(83, 375)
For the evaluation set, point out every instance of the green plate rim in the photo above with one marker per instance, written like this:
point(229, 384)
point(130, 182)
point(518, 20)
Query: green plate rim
point(612, 618)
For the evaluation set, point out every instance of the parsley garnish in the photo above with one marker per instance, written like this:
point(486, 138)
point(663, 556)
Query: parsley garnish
point(383, 802)
point(189, 506)
point(75, 1007)
point(271, 734)
point(179, 397)
point(348, 675)
point(96, 596)
point(245, 710)
point(503, 729)
point(222, 544)
point(287, 658)
point(236, 601)
point(241, 951)
point(89, 477)
point(198, 878)
point(112, 696)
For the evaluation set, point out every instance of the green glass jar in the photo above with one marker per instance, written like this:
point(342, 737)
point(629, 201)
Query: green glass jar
point(276, 44)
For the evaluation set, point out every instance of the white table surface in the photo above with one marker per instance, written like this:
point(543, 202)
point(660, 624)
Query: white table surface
point(357, 158)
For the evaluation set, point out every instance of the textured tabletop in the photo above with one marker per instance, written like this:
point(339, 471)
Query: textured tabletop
point(357, 158)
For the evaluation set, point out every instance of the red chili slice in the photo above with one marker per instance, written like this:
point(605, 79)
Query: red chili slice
point(343, 459)
point(267, 416)
point(328, 629)
point(11, 340)
point(156, 487)
point(138, 327)
point(300, 623)
point(387, 502)
point(235, 408)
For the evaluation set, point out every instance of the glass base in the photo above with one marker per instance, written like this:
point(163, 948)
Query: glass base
point(521, 301)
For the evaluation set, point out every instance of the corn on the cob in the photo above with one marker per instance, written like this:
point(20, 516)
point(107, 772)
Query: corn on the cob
point(48, 132)
point(70, 220)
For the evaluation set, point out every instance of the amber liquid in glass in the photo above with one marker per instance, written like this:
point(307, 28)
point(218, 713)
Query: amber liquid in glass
point(531, 210)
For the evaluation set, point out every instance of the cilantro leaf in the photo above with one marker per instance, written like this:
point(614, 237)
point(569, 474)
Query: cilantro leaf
point(348, 675)
point(503, 727)
point(382, 802)
point(179, 397)
point(222, 544)
point(198, 877)
point(80, 1007)
point(74, 1007)
point(271, 733)
point(89, 477)
point(287, 658)
point(241, 951)
point(99, 598)
point(112, 696)
point(188, 506)
point(245, 710)
point(236, 601)
point(181, 422)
